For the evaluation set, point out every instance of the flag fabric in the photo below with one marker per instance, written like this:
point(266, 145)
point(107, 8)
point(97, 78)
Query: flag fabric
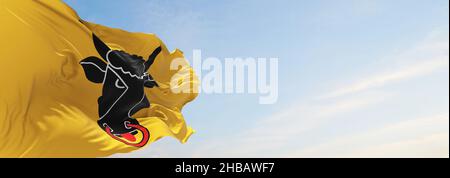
point(48, 105)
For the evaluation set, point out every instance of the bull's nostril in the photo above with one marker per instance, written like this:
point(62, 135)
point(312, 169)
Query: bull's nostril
point(126, 124)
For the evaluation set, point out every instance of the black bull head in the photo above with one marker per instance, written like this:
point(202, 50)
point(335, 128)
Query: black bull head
point(124, 77)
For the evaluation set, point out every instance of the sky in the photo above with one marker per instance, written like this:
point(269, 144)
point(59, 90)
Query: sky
point(357, 78)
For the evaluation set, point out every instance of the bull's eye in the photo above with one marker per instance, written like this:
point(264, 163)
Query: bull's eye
point(119, 84)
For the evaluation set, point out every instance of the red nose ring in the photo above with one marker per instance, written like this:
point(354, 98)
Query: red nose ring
point(143, 142)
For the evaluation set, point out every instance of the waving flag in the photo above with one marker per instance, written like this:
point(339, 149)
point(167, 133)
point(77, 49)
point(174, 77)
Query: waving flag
point(72, 88)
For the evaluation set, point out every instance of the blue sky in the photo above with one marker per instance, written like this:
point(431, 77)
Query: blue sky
point(362, 78)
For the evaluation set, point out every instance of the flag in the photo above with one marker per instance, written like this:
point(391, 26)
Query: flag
point(71, 88)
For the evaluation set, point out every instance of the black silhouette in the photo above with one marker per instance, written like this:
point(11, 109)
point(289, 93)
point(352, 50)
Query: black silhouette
point(124, 77)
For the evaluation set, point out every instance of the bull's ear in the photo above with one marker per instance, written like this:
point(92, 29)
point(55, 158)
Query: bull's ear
point(94, 69)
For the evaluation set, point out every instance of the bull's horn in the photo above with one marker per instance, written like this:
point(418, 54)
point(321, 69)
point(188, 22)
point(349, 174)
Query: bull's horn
point(152, 58)
point(101, 47)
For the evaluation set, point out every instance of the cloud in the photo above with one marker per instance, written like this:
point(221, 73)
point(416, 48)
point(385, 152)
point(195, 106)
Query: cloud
point(422, 137)
point(277, 131)
point(293, 132)
point(429, 146)
point(419, 69)
point(428, 57)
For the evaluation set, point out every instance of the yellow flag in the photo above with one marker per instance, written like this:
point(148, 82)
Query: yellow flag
point(61, 97)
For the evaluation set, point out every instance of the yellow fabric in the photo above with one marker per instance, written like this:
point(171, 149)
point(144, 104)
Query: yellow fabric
point(48, 108)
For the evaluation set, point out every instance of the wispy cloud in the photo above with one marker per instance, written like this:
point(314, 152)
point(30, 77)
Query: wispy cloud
point(422, 137)
point(277, 131)
point(428, 57)
point(276, 135)
point(415, 70)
